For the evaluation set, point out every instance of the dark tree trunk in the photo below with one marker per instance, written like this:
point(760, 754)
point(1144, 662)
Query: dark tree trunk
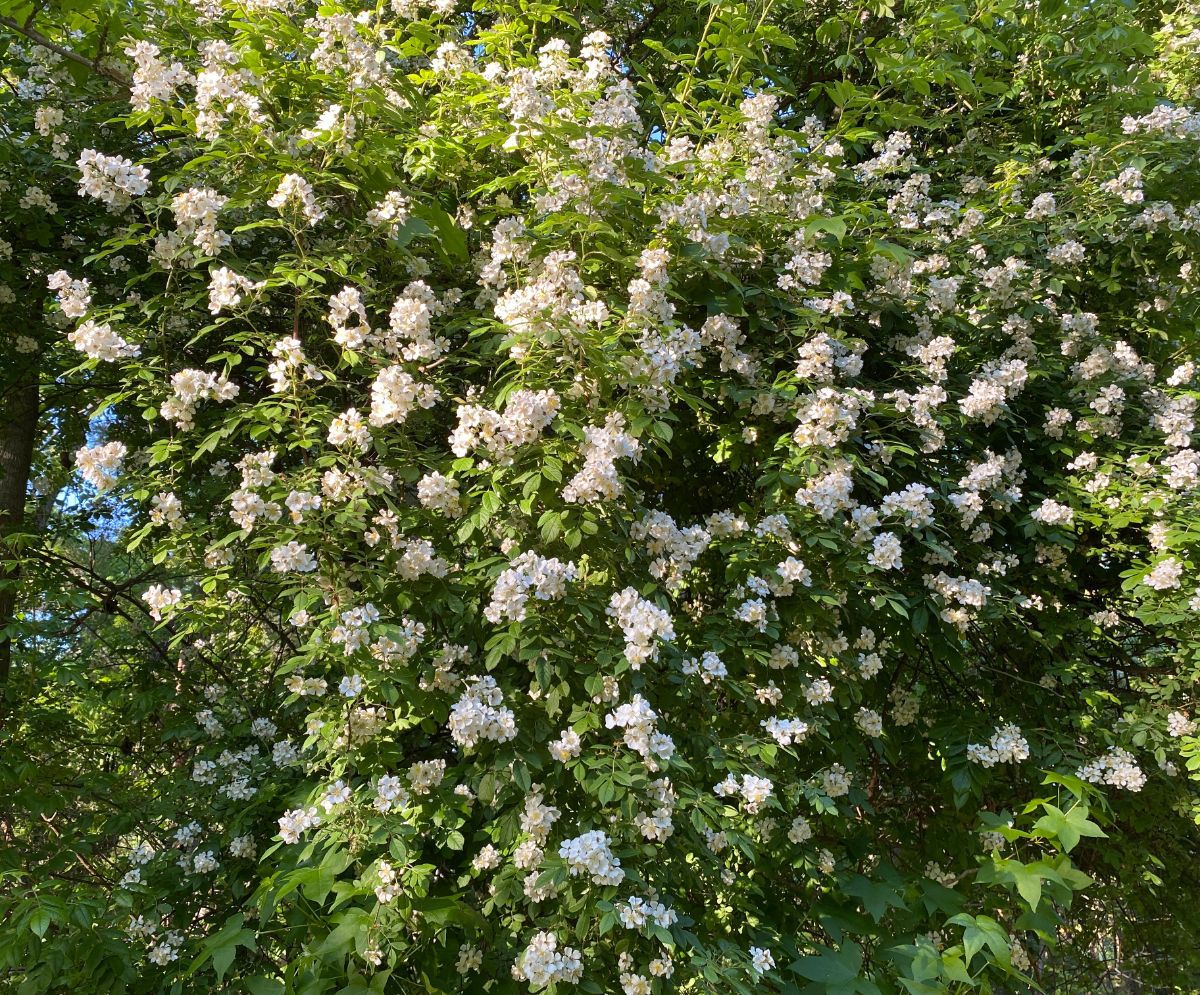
point(18, 431)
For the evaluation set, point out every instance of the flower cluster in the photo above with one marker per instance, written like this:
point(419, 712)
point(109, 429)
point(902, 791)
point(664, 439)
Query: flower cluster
point(111, 178)
point(1007, 746)
point(643, 624)
point(480, 714)
point(529, 575)
point(590, 855)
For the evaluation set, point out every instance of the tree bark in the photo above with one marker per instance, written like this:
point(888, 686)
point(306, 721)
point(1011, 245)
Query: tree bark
point(19, 406)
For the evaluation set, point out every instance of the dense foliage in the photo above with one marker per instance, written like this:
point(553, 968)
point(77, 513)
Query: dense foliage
point(617, 497)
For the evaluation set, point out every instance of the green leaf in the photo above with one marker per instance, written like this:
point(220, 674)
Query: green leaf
point(550, 525)
point(1029, 883)
point(981, 931)
point(875, 897)
point(831, 966)
point(40, 921)
point(835, 226)
point(222, 959)
point(1066, 827)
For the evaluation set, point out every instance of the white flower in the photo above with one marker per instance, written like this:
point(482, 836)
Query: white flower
point(196, 211)
point(1178, 724)
point(204, 862)
point(590, 854)
point(543, 963)
point(1050, 512)
point(800, 831)
point(566, 747)
point(227, 288)
point(395, 394)
point(603, 446)
point(99, 341)
point(74, 296)
point(638, 911)
point(110, 178)
point(296, 190)
point(348, 316)
point(1165, 575)
point(529, 576)
point(761, 960)
point(638, 720)
point(439, 493)
point(349, 429)
point(1007, 746)
point(1117, 768)
point(885, 552)
point(754, 790)
point(870, 722)
point(486, 859)
point(294, 823)
point(425, 775)
point(794, 571)
point(391, 212)
point(644, 625)
point(336, 794)
point(100, 465)
point(160, 598)
point(470, 959)
point(293, 557)
point(480, 715)
point(835, 781)
point(390, 793)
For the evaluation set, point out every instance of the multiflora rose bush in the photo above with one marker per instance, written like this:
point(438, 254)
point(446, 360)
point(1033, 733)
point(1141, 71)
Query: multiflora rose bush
point(682, 535)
